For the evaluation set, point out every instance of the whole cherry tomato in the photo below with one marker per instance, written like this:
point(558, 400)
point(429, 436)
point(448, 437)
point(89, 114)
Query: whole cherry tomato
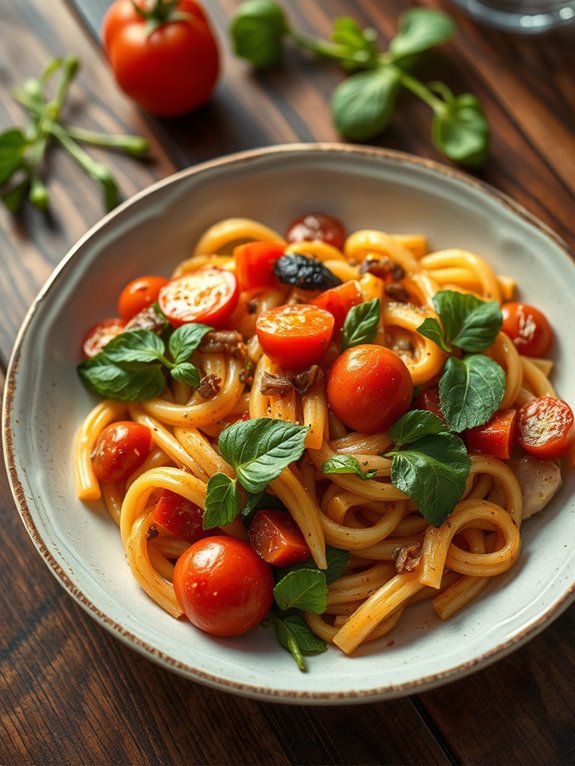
point(138, 295)
point(546, 427)
point(295, 336)
point(277, 539)
point(317, 226)
point(223, 586)
point(120, 449)
point(101, 334)
point(528, 328)
point(369, 387)
point(207, 296)
point(163, 53)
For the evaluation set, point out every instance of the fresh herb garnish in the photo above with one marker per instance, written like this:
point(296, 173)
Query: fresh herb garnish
point(297, 638)
point(467, 322)
point(347, 464)
point(131, 367)
point(361, 323)
point(363, 104)
point(304, 589)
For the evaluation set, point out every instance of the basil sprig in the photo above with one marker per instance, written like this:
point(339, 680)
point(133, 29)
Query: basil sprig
point(467, 322)
point(132, 366)
point(361, 323)
point(347, 464)
point(429, 464)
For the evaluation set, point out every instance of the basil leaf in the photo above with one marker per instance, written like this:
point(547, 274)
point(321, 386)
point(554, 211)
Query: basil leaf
point(260, 449)
point(185, 340)
point(133, 346)
point(361, 323)
point(468, 322)
point(460, 130)
point(126, 383)
point(362, 104)
point(470, 391)
point(186, 372)
point(260, 500)
point(295, 635)
point(433, 472)
point(337, 560)
point(13, 145)
point(288, 640)
point(304, 589)
point(222, 504)
point(414, 425)
point(419, 30)
point(431, 328)
point(346, 464)
point(257, 31)
point(359, 45)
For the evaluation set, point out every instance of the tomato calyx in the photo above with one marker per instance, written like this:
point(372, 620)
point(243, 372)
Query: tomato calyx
point(161, 13)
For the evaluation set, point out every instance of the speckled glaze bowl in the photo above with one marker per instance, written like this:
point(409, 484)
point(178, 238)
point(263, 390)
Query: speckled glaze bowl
point(44, 402)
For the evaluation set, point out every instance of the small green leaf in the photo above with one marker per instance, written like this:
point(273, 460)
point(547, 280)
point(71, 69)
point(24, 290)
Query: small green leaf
point(13, 197)
point(297, 638)
point(361, 324)
point(134, 346)
point(13, 146)
point(185, 340)
point(288, 640)
point(460, 130)
point(259, 501)
point(337, 560)
point(419, 30)
point(360, 45)
point(347, 464)
point(222, 503)
point(257, 32)
point(470, 391)
point(304, 589)
point(362, 104)
point(468, 322)
point(130, 382)
point(186, 372)
point(431, 329)
point(414, 425)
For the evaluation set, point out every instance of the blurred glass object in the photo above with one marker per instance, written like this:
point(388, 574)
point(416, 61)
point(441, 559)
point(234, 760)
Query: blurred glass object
point(527, 17)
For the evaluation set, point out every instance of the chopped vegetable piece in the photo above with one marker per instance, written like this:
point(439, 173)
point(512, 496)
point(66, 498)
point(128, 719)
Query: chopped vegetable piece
point(101, 334)
point(317, 226)
point(277, 539)
point(295, 337)
point(339, 300)
point(255, 264)
point(546, 427)
point(528, 328)
point(179, 516)
point(207, 295)
point(138, 295)
point(496, 437)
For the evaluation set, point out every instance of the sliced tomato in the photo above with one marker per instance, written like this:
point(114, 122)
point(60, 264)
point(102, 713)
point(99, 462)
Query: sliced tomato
point(528, 328)
point(120, 449)
point(295, 336)
point(207, 296)
point(275, 537)
point(138, 294)
point(429, 400)
point(317, 226)
point(101, 334)
point(496, 437)
point(546, 427)
point(255, 264)
point(338, 301)
point(179, 516)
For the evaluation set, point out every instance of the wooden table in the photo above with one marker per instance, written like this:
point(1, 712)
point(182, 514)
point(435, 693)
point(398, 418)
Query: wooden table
point(72, 694)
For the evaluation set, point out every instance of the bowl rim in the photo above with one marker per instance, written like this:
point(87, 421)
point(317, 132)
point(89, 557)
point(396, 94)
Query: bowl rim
point(264, 693)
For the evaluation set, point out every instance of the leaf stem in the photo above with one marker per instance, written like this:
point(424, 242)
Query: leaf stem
point(136, 146)
point(420, 90)
point(328, 50)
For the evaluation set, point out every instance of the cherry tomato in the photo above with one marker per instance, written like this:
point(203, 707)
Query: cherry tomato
point(277, 539)
point(496, 437)
point(169, 70)
point(138, 295)
point(528, 328)
point(101, 334)
point(317, 226)
point(429, 400)
point(179, 516)
point(546, 427)
point(120, 449)
point(295, 336)
point(369, 387)
point(338, 301)
point(255, 264)
point(223, 586)
point(207, 296)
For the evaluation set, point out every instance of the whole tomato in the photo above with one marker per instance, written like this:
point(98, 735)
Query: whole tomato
point(163, 53)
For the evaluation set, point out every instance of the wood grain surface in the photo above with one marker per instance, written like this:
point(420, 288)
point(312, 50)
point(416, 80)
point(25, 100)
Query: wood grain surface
point(72, 694)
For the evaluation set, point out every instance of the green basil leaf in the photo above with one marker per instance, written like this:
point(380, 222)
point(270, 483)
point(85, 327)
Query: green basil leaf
point(431, 328)
point(133, 346)
point(337, 560)
point(304, 589)
point(468, 322)
point(13, 197)
point(288, 640)
point(359, 44)
point(185, 340)
point(131, 382)
point(186, 372)
point(361, 323)
point(346, 464)
point(414, 425)
point(260, 449)
point(13, 145)
point(222, 502)
point(433, 472)
point(295, 635)
point(460, 130)
point(419, 30)
point(470, 391)
point(257, 32)
point(260, 501)
point(363, 104)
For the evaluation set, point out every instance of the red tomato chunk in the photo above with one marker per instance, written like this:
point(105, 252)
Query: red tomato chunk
point(179, 516)
point(496, 437)
point(295, 337)
point(546, 427)
point(277, 539)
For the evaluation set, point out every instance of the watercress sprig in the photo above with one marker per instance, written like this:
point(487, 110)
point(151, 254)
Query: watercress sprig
point(363, 104)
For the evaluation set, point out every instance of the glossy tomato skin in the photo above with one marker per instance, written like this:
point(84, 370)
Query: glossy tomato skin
point(528, 328)
point(208, 296)
point(255, 264)
point(317, 226)
point(138, 295)
point(546, 427)
point(368, 388)
point(429, 400)
point(120, 449)
point(295, 336)
point(179, 516)
point(275, 537)
point(101, 334)
point(339, 300)
point(495, 438)
point(169, 71)
point(223, 586)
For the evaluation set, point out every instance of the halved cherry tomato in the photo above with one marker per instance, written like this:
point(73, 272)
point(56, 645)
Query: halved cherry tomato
point(255, 264)
point(120, 449)
point(295, 336)
point(369, 387)
point(338, 301)
point(223, 586)
point(496, 437)
point(277, 539)
point(528, 328)
point(429, 400)
point(179, 516)
point(546, 427)
point(207, 296)
point(101, 334)
point(138, 295)
point(317, 226)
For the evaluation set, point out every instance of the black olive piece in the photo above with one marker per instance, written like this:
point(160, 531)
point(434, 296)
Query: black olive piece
point(307, 273)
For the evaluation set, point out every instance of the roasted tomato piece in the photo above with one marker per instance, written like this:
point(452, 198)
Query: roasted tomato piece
point(277, 539)
point(179, 516)
point(546, 427)
point(338, 301)
point(255, 264)
point(208, 296)
point(120, 449)
point(101, 334)
point(496, 437)
point(317, 226)
point(295, 337)
point(528, 328)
